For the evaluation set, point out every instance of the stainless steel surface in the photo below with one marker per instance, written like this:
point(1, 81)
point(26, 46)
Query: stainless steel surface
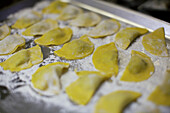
point(124, 14)
point(24, 99)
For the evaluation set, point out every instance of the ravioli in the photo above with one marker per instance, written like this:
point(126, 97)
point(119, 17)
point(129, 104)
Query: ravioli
point(23, 59)
point(161, 94)
point(47, 78)
point(70, 12)
point(82, 90)
point(155, 43)
point(105, 28)
point(125, 37)
point(27, 20)
point(105, 58)
point(56, 36)
point(86, 20)
point(11, 43)
point(139, 68)
point(76, 49)
point(116, 101)
point(55, 7)
point(4, 31)
point(41, 27)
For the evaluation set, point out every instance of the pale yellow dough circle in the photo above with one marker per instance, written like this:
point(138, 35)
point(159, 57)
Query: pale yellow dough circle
point(126, 36)
point(161, 94)
point(155, 43)
point(46, 80)
point(115, 102)
point(11, 43)
point(4, 31)
point(82, 90)
point(23, 59)
point(139, 68)
point(27, 20)
point(105, 28)
point(105, 59)
point(55, 7)
point(55, 36)
point(86, 20)
point(70, 12)
point(76, 49)
point(41, 27)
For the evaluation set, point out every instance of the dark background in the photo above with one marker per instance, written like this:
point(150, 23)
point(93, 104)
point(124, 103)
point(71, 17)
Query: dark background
point(156, 8)
point(6, 3)
point(11, 6)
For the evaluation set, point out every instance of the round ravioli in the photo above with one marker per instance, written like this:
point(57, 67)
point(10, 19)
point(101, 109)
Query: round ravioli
point(125, 37)
point(139, 68)
point(161, 94)
point(105, 59)
point(155, 43)
point(86, 20)
point(10, 44)
point(116, 101)
point(41, 27)
point(4, 31)
point(76, 49)
point(55, 7)
point(82, 90)
point(46, 79)
point(23, 59)
point(27, 20)
point(105, 28)
point(70, 12)
point(56, 36)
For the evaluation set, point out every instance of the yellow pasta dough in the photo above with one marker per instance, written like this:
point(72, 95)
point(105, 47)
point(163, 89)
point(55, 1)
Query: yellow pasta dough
point(70, 12)
point(11, 43)
point(125, 37)
point(23, 59)
point(139, 68)
point(4, 31)
point(56, 36)
point(41, 27)
point(105, 28)
point(27, 20)
point(47, 78)
point(116, 101)
point(55, 7)
point(155, 43)
point(86, 20)
point(82, 90)
point(105, 58)
point(161, 94)
point(76, 49)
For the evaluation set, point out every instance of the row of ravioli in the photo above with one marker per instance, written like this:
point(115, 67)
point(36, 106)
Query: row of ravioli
point(52, 34)
point(48, 79)
point(153, 42)
point(105, 58)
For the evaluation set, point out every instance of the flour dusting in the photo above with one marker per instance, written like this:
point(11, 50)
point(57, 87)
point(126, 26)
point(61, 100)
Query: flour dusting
point(24, 99)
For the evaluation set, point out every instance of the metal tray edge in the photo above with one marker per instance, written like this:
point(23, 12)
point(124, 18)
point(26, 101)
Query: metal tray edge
point(123, 14)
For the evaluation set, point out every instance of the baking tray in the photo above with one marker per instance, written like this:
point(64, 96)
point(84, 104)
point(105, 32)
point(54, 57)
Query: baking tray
point(24, 99)
point(124, 14)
